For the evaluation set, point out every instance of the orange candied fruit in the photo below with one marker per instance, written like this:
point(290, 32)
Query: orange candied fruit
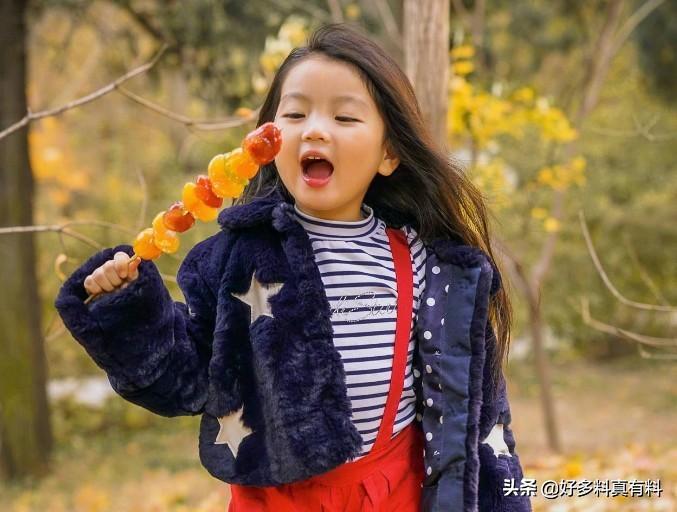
point(144, 246)
point(193, 204)
point(225, 182)
point(164, 239)
point(241, 164)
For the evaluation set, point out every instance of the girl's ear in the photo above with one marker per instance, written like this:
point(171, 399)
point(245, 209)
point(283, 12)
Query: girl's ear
point(388, 163)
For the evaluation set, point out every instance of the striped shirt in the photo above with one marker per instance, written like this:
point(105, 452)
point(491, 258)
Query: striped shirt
point(358, 274)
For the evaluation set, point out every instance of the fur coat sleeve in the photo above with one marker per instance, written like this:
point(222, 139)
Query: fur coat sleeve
point(154, 350)
point(499, 461)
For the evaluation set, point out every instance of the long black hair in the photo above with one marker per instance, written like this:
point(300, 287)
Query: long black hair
point(428, 190)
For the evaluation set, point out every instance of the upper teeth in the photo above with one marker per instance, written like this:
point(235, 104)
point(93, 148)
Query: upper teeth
point(315, 157)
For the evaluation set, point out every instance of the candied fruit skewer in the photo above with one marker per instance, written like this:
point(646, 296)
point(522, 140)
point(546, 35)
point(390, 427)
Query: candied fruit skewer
point(263, 143)
point(228, 175)
point(177, 218)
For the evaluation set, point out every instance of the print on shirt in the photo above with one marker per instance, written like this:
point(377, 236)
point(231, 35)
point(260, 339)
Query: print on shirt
point(366, 302)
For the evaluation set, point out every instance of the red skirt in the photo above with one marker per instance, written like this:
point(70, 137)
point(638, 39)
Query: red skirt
point(387, 479)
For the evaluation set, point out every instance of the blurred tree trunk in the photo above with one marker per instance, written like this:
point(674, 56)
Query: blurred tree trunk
point(25, 432)
point(426, 58)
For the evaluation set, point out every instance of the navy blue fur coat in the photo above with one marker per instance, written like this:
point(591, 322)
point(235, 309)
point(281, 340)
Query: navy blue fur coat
point(282, 375)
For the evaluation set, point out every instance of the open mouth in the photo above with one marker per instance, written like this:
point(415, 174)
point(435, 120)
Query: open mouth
point(317, 171)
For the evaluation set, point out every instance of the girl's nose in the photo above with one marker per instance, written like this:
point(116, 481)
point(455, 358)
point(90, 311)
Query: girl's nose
point(315, 131)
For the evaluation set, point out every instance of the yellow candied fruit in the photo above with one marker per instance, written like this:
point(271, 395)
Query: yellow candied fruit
point(227, 188)
point(144, 246)
point(224, 182)
point(194, 205)
point(164, 239)
point(241, 164)
point(236, 165)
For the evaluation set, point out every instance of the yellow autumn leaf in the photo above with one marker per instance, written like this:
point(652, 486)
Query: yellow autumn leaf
point(59, 196)
point(524, 95)
point(578, 163)
point(59, 261)
point(91, 499)
point(482, 118)
point(23, 503)
point(463, 67)
point(546, 176)
point(243, 112)
point(268, 62)
point(464, 51)
point(573, 467)
point(551, 225)
point(259, 83)
point(353, 11)
point(293, 30)
point(539, 213)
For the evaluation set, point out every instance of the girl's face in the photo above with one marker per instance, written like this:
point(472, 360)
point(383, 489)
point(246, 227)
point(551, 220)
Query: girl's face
point(326, 109)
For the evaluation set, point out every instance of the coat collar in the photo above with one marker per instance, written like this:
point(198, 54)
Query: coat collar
point(275, 208)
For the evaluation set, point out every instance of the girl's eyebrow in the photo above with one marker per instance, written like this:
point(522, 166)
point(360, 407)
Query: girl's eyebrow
point(336, 99)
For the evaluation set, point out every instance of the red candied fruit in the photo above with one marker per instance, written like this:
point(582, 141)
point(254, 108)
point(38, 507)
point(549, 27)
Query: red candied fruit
point(177, 218)
point(203, 190)
point(263, 143)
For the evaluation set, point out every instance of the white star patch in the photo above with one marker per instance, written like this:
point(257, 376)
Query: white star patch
point(257, 298)
point(232, 431)
point(496, 441)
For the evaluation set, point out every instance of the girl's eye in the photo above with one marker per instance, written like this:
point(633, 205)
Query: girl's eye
point(343, 119)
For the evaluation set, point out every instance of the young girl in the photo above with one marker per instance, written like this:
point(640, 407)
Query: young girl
point(337, 335)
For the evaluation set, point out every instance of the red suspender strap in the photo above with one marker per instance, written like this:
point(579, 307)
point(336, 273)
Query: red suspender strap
point(405, 296)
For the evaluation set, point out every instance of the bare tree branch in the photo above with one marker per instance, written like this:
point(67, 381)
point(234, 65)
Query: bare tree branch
point(642, 129)
point(64, 229)
point(643, 273)
point(631, 23)
point(82, 74)
point(55, 228)
point(474, 19)
point(601, 56)
point(648, 355)
point(389, 22)
point(144, 201)
point(607, 281)
point(478, 16)
point(598, 68)
point(199, 124)
point(460, 9)
point(142, 19)
point(511, 262)
point(622, 333)
point(335, 10)
point(316, 12)
point(32, 116)
point(100, 223)
point(51, 336)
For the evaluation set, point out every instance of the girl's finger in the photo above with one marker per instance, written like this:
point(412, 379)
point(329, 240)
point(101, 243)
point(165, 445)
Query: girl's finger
point(133, 269)
point(111, 273)
point(91, 286)
point(100, 278)
point(121, 260)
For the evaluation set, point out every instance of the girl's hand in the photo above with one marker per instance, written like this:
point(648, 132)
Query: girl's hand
point(113, 275)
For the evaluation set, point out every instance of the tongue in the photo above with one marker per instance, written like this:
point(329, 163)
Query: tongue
point(320, 169)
